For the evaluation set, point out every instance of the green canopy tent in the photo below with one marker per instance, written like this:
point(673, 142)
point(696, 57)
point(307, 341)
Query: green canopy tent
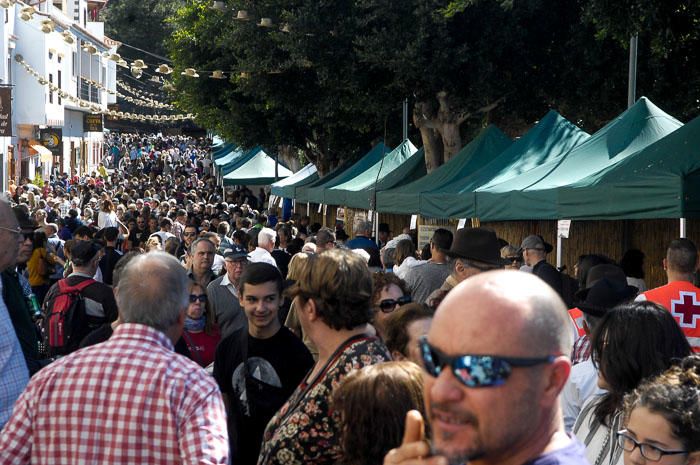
point(549, 140)
point(227, 158)
point(286, 187)
point(314, 193)
point(237, 161)
point(358, 191)
point(258, 170)
point(216, 142)
point(660, 181)
point(482, 149)
point(533, 195)
point(222, 151)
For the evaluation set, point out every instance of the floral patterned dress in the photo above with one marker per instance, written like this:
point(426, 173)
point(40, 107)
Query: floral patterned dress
point(305, 430)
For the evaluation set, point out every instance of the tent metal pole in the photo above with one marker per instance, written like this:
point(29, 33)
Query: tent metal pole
point(559, 251)
point(683, 226)
point(632, 79)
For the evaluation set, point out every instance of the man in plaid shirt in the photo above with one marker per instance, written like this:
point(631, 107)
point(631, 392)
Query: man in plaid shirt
point(130, 400)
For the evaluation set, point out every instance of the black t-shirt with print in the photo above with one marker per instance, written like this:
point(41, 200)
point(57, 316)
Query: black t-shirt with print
point(274, 368)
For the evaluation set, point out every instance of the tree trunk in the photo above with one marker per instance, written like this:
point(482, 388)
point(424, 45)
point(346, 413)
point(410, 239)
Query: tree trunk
point(290, 156)
point(432, 143)
point(449, 121)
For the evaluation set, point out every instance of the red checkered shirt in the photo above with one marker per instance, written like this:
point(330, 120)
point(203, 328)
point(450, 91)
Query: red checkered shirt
point(130, 400)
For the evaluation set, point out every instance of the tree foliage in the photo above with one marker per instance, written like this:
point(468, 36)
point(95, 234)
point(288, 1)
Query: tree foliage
point(332, 82)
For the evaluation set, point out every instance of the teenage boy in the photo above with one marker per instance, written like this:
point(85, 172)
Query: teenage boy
point(258, 367)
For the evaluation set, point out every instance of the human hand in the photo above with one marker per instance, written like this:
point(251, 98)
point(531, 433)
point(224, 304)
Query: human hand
point(414, 448)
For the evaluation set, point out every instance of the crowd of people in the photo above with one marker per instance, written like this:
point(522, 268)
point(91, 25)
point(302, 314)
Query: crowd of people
point(147, 316)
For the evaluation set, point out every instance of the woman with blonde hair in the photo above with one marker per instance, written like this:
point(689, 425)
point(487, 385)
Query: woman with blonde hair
point(108, 216)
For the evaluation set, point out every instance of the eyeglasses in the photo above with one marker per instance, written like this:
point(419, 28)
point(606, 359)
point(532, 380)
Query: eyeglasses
point(388, 305)
point(475, 370)
point(201, 297)
point(649, 452)
point(189, 234)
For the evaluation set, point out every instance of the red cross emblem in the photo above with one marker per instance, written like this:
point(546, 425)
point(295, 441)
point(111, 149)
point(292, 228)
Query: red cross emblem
point(686, 309)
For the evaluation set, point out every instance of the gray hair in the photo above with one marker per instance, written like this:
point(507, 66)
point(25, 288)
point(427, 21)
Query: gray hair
point(196, 242)
point(266, 236)
point(153, 290)
point(362, 227)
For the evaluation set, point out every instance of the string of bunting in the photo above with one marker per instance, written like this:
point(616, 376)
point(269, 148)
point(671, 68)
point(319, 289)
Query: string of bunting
point(93, 107)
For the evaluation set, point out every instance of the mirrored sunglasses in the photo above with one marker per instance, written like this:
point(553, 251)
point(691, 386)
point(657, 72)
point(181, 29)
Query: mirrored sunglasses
point(475, 370)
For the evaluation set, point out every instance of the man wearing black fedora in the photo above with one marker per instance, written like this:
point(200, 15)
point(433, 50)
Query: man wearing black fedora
point(534, 250)
point(599, 297)
point(474, 251)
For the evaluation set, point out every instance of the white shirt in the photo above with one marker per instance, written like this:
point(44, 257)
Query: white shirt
point(581, 385)
point(260, 255)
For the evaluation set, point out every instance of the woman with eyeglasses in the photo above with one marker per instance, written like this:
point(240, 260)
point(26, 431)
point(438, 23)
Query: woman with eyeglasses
point(632, 342)
point(662, 418)
point(389, 293)
point(201, 332)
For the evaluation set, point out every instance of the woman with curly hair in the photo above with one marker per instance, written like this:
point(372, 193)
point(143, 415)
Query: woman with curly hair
point(662, 418)
point(389, 292)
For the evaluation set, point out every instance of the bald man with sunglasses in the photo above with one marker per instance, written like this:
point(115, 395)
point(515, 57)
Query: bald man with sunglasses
point(495, 360)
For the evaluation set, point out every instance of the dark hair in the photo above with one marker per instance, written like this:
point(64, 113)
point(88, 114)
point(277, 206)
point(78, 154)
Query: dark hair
point(340, 284)
point(380, 280)
point(295, 245)
point(110, 234)
point(396, 325)
point(39, 240)
point(372, 403)
point(442, 238)
point(425, 253)
point(586, 262)
point(83, 231)
point(632, 263)
point(675, 395)
point(261, 273)
point(632, 342)
point(682, 255)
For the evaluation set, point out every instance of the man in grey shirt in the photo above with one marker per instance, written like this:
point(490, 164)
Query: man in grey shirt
point(424, 279)
point(223, 292)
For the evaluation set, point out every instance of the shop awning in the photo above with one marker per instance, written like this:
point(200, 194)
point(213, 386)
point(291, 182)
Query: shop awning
point(46, 155)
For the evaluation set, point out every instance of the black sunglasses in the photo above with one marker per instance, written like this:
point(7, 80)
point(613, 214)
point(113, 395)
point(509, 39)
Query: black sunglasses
point(201, 297)
point(475, 370)
point(388, 305)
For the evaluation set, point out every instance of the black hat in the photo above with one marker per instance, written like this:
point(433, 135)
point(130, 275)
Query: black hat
point(84, 251)
point(384, 227)
point(235, 252)
point(605, 294)
point(605, 270)
point(535, 241)
point(478, 244)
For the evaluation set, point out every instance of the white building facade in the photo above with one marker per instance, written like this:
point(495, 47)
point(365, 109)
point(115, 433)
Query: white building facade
point(57, 63)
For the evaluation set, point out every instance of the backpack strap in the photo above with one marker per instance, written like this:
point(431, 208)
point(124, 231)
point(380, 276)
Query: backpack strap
point(64, 288)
